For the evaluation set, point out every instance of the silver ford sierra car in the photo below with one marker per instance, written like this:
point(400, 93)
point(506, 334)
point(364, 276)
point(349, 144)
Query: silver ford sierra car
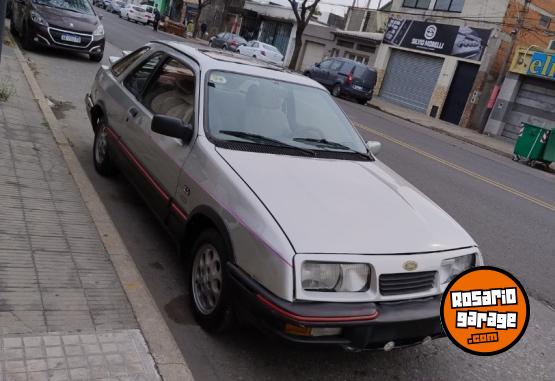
point(286, 217)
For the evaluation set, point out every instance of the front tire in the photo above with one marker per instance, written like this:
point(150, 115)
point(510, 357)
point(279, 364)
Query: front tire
point(209, 285)
point(101, 154)
point(96, 57)
point(26, 39)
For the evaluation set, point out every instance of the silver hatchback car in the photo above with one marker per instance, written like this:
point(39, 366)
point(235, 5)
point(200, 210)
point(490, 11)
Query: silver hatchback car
point(287, 218)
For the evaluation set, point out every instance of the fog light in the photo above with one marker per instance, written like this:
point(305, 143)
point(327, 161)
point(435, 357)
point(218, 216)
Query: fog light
point(325, 332)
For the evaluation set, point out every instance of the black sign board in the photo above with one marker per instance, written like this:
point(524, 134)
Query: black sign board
point(451, 40)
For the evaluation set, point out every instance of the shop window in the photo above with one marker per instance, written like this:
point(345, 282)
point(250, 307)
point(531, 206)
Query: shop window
point(366, 48)
point(346, 44)
point(419, 4)
point(545, 21)
point(366, 21)
point(449, 5)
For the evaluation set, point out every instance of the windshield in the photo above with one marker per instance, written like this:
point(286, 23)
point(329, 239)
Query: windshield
point(79, 6)
point(296, 115)
point(271, 48)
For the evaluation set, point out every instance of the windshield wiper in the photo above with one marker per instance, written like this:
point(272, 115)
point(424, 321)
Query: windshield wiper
point(330, 144)
point(265, 140)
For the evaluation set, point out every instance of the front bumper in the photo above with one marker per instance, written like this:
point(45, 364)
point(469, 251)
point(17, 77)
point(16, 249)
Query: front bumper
point(363, 325)
point(43, 36)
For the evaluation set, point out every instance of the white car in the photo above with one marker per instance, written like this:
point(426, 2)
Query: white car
point(262, 51)
point(283, 213)
point(149, 13)
point(134, 13)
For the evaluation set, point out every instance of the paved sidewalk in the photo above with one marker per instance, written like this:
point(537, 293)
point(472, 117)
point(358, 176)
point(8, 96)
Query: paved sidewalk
point(63, 312)
point(494, 144)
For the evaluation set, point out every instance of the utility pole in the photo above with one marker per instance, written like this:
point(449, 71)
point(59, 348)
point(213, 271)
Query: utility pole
point(508, 55)
point(3, 4)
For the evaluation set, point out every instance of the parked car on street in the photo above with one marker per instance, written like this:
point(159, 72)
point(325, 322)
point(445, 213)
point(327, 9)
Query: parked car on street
point(261, 51)
point(116, 5)
point(227, 41)
point(134, 13)
point(149, 13)
point(106, 4)
point(73, 26)
point(284, 214)
point(345, 77)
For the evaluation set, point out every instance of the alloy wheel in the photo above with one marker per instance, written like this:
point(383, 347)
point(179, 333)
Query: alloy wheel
point(207, 278)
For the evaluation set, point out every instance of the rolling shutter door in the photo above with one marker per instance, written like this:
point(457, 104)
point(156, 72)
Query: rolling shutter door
point(313, 53)
point(534, 104)
point(410, 79)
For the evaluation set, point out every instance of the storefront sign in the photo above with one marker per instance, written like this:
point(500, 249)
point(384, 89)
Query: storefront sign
point(458, 41)
point(542, 65)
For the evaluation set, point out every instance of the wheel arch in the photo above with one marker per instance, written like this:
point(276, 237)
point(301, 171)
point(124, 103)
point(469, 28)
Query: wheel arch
point(201, 218)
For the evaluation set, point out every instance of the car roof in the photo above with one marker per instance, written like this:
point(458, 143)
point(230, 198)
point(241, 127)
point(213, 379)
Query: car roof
point(214, 59)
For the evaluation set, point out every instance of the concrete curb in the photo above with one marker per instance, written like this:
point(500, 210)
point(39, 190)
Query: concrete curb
point(163, 347)
point(462, 138)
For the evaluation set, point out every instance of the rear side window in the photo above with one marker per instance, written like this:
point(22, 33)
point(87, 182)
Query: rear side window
point(347, 68)
point(336, 65)
point(120, 66)
point(172, 93)
point(137, 81)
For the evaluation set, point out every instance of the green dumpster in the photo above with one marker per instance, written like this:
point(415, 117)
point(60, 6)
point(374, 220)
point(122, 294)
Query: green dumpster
point(530, 143)
point(549, 151)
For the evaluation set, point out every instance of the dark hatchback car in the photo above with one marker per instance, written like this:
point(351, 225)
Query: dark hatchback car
point(345, 77)
point(227, 41)
point(60, 24)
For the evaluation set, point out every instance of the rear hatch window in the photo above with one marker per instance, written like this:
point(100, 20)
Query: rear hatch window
point(364, 76)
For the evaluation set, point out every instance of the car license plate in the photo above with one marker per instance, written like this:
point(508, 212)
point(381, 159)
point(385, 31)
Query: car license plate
point(357, 87)
point(70, 38)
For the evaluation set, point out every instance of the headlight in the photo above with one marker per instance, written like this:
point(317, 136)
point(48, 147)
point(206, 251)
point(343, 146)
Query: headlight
point(36, 18)
point(452, 267)
point(99, 31)
point(335, 277)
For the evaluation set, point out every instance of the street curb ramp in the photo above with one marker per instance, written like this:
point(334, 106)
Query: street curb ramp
point(168, 358)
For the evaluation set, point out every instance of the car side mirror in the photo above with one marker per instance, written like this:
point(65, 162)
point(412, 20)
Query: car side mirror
point(172, 127)
point(374, 147)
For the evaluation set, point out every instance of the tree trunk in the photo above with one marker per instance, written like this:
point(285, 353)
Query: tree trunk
point(197, 18)
point(297, 48)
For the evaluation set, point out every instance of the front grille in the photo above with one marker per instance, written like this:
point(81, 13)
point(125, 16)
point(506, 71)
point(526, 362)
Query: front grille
point(57, 37)
point(406, 283)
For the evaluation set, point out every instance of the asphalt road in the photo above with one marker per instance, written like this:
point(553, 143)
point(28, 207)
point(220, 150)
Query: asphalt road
point(478, 188)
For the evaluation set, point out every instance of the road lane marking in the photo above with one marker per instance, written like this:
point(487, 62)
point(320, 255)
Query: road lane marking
point(456, 167)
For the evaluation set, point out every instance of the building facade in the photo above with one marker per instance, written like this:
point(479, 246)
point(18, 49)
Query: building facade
point(528, 91)
point(437, 57)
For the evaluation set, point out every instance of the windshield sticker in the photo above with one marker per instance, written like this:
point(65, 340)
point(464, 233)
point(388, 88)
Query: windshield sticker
point(217, 78)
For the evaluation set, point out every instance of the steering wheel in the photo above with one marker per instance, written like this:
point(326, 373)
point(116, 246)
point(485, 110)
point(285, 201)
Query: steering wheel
point(309, 132)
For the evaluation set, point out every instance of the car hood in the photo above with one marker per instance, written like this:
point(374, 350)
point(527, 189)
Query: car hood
point(351, 207)
point(60, 18)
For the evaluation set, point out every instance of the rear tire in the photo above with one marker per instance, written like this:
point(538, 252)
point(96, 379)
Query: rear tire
point(209, 285)
point(362, 101)
point(336, 91)
point(13, 31)
point(101, 152)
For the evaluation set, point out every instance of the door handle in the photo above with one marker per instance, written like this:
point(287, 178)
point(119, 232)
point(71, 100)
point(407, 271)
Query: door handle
point(131, 113)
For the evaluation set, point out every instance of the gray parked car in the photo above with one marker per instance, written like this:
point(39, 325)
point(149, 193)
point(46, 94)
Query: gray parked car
point(285, 216)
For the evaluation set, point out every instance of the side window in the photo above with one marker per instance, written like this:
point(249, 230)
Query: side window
point(325, 64)
point(120, 66)
point(138, 79)
point(347, 68)
point(172, 92)
point(336, 65)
